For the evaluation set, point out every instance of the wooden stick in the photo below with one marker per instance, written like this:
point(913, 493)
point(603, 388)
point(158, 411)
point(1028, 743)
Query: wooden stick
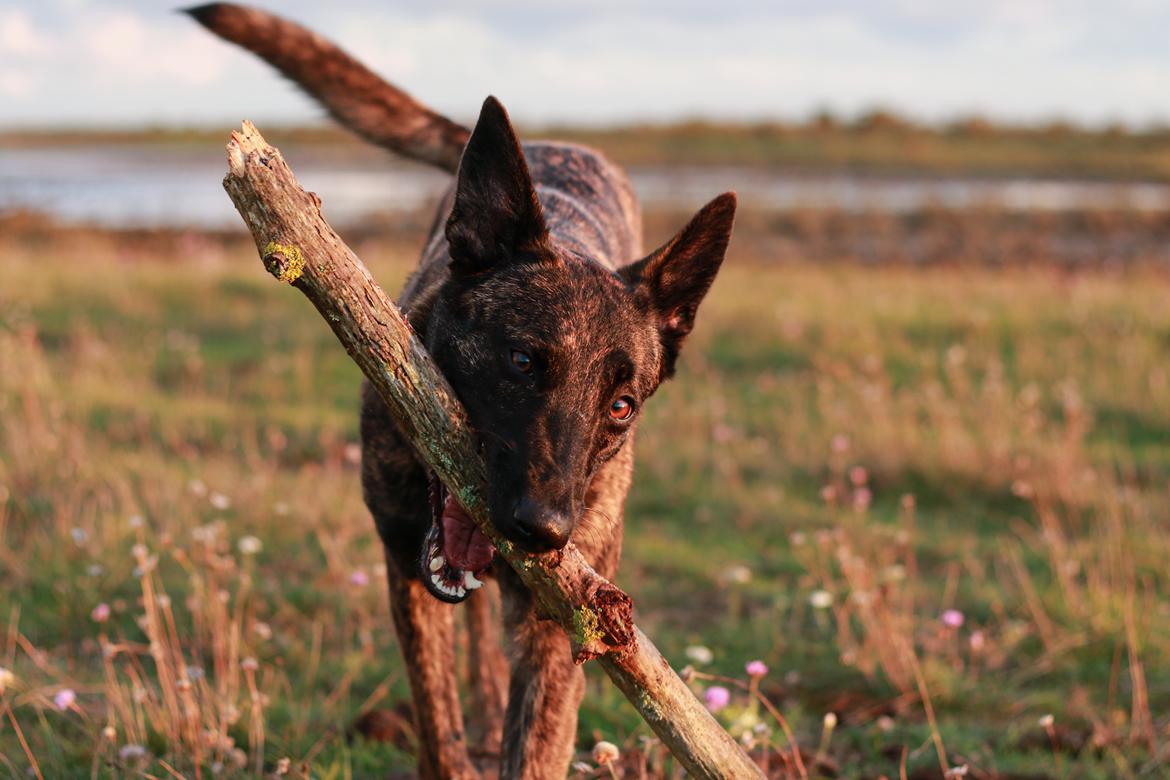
point(299, 247)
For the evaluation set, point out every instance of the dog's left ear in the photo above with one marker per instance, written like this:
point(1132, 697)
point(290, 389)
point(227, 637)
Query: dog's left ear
point(496, 216)
point(672, 281)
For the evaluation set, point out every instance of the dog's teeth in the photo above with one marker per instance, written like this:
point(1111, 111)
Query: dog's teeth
point(460, 592)
point(437, 562)
point(437, 581)
point(470, 582)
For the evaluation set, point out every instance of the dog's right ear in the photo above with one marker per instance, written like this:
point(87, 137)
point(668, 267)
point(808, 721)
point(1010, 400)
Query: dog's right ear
point(496, 216)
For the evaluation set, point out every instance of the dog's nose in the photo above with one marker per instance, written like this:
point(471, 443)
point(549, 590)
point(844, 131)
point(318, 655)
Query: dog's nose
point(541, 528)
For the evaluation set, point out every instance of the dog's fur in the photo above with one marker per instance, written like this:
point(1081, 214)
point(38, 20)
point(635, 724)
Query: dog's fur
point(534, 250)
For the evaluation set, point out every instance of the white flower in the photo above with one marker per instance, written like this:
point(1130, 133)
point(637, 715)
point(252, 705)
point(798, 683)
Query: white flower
point(219, 501)
point(7, 678)
point(249, 545)
point(738, 574)
point(821, 599)
point(700, 654)
point(605, 752)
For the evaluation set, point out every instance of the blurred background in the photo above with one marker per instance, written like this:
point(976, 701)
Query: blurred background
point(916, 461)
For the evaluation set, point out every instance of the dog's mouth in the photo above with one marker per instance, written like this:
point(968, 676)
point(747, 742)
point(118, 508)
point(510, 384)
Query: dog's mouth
point(454, 550)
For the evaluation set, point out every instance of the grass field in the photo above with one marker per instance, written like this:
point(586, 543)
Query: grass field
point(935, 503)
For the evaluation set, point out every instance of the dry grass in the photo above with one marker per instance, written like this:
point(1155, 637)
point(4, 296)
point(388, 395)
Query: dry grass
point(937, 493)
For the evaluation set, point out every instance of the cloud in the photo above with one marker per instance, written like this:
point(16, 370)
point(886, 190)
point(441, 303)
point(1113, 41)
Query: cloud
point(19, 38)
point(68, 60)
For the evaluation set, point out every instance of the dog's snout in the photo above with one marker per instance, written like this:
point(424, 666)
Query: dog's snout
point(540, 527)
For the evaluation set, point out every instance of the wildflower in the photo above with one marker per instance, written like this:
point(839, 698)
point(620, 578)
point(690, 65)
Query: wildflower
point(195, 672)
point(582, 767)
point(79, 536)
point(135, 522)
point(957, 771)
point(249, 545)
point(100, 613)
point(907, 501)
point(219, 501)
point(840, 443)
point(353, 453)
point(94, 570)
point(131, 752)
point(821, 599)
point(249, 664)
point(605, 752)
point(797, 538)
point(281, 508)
point(862, 498)
point(953, 618)
point(262, 629)
point(700, 654)
point(1046, 721)
point(197, 488)
point(738, 574)
point(830, 721)
point(858, 476)
point(283, 765)
point(7, 678)
point(109, 733)
point(756, 668)
point(716, 698)
point(977, 641)
point(64, 699)
point(359, 579)
point(829, 494)
point(885, 723)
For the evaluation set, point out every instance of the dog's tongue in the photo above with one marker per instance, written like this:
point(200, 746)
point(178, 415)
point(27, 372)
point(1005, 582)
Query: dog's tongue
point(464, 545)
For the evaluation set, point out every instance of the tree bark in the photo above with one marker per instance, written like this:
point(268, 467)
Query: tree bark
point(299, 247)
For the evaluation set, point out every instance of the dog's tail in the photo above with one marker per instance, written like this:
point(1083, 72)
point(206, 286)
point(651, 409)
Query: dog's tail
point(353, 94)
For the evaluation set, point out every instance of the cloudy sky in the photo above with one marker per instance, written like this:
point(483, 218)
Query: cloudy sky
point(126, 63)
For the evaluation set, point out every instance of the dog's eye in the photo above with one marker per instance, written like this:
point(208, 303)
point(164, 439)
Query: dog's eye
point(521, 360)
point(622, 409)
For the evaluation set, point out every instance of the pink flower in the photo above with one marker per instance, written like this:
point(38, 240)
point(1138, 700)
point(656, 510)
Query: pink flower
point(756, 669)
point(101, 613)
point(953, 618)
point(359, 579)
point(977, 641)
point(64, 699)
point(717, 697)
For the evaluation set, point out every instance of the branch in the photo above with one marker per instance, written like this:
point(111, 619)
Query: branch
point(299, 247)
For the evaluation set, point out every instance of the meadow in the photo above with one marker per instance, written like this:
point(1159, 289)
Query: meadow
point(932, 499)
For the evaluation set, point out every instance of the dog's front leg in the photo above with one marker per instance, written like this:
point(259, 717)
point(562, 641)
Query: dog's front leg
point(546, 688)
point(426, 632)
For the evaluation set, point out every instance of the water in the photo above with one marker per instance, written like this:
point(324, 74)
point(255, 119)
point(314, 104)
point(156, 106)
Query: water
point(157, 186)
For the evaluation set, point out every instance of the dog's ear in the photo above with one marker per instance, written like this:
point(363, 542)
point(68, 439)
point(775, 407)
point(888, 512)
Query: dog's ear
point(496, 215)
point(672, 281)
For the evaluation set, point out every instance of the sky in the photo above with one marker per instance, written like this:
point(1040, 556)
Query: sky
point(86, 62)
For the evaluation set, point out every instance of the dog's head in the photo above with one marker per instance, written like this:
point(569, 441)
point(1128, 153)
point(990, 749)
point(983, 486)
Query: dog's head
point(552, 355)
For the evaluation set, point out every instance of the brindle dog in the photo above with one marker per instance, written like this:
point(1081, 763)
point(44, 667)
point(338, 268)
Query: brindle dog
point(532, 299)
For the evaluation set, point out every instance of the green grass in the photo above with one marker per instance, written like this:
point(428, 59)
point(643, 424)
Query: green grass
point(908, 442)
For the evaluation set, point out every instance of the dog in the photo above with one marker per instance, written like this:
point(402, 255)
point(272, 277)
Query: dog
point(536, 302)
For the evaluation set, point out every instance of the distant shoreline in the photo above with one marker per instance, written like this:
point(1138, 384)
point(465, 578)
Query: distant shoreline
point(878, 144)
